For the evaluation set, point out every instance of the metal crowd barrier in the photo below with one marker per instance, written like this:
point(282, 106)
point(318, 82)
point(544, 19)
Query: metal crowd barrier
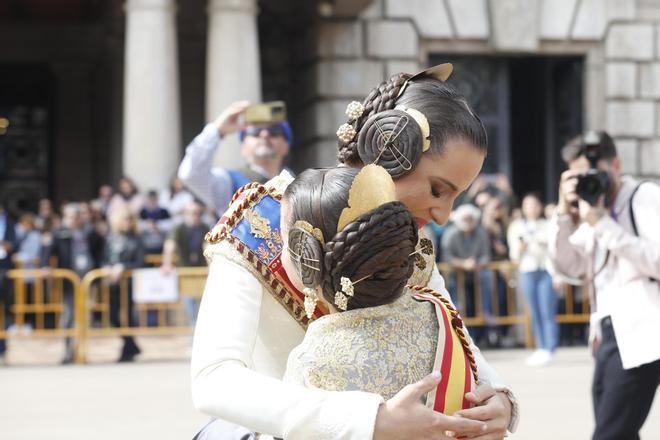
point(171, 318)
point(45, 299)
point(574, 308)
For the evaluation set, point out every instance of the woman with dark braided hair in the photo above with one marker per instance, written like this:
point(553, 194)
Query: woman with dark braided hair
point(252, 315)
point(354, 253)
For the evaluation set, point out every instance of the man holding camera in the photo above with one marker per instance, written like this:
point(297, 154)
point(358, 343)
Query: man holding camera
point(265, 136)
point(606, 229)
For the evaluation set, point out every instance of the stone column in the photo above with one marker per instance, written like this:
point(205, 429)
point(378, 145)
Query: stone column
point(152, 128)
point(232, 64)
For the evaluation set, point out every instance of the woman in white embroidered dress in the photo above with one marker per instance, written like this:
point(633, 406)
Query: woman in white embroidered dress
point(241, 328)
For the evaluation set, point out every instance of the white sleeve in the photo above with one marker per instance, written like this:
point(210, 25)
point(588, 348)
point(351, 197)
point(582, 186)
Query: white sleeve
point(486, 372)
point(224, 385)
point(212, 185)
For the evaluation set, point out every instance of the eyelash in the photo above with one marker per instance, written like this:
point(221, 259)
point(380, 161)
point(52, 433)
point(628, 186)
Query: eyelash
point(435, 193)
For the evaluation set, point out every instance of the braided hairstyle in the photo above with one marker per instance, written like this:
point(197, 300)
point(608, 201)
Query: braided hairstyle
point(377, 245)
point(447, 111)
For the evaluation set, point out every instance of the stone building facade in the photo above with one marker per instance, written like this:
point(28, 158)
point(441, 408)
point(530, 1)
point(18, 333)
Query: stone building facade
point(101, 89)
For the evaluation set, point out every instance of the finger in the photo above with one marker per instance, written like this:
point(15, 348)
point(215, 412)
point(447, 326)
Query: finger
point(482, 413)
point(480, 394)
point(418, 389)
point(461, 426)
point(239, 106)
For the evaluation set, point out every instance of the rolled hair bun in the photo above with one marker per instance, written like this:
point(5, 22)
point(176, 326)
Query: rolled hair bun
point(377, 244)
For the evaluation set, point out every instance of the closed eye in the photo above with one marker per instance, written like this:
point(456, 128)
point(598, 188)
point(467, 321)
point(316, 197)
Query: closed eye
point(435, 192)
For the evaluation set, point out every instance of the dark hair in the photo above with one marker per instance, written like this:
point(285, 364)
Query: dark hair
point(577, 146)
point(376, 245)
point(447, 111)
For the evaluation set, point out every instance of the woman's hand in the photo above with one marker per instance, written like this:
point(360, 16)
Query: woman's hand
point(491, 407)
point(404, 417)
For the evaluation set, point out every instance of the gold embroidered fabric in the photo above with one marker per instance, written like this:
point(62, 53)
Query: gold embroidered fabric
point(377, 349)
point(424, 261)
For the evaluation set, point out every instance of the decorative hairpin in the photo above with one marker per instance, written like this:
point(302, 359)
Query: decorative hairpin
point(354, 110)
point(347, 289)
point(346, 133)
point(311, 230)
point(311, 298)
point(298, 258)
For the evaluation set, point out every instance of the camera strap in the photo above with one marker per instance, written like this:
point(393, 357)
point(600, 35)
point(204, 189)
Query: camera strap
point(631, 211)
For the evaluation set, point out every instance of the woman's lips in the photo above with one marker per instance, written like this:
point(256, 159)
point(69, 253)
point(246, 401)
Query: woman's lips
point(420, 222)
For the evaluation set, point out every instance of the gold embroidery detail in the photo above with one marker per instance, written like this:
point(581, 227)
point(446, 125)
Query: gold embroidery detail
point(263, 253)
point(376, 349)
point(426, 246)
point(259, 226)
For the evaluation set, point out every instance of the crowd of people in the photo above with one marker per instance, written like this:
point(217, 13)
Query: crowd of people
point(116, 231)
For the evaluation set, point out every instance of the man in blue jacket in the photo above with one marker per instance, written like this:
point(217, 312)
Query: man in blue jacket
point(265, 140)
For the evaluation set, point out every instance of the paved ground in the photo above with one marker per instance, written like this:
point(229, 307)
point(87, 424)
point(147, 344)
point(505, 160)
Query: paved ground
point(151, 399)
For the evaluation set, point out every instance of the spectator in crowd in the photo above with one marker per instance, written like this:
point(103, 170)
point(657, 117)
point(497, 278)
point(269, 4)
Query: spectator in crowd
point(29, 245)
point(495, 221)
point(154, 223)
point(186, 242)
point(528, 242)
point(496, 185)
point(466, 247)
point(152, 209)
point(127, 196)
point(103, 200)
point(7, 246)
point(264, 144)
point(175, 199)
point(28, 254)
point(123, 251)
point(46, 214)
point(73, 248)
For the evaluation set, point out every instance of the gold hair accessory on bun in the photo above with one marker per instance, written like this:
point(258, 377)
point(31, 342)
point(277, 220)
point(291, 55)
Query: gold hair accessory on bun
point(347, 289)
point(440, 72)
point(423, 123)
point(372, 187)
point(311, 230)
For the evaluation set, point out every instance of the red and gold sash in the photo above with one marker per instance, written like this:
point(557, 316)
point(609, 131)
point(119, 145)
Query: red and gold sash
point(454, 358)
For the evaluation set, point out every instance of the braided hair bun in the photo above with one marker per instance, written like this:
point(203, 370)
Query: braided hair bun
point(381, 98)
point(376, 247)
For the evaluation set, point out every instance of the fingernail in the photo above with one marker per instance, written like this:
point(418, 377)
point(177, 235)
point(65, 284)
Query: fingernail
point(484, 428)
point(436, 374)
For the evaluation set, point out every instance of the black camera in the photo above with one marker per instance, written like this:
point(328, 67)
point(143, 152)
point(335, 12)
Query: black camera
point(594, 183)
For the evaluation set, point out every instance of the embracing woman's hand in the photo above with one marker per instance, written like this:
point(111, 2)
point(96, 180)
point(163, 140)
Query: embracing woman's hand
point(404, 417)
point(492, 407)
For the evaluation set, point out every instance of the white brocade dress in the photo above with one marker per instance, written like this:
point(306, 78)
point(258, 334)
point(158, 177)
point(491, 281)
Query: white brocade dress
point(377, 349)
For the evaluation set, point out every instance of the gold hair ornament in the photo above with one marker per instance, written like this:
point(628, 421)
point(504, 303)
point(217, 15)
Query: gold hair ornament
point(347, 289)
point(311, 230)
point(440, 72)
point(372, 187)
point(423, 123)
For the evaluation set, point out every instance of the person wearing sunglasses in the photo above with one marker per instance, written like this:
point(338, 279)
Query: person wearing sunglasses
point(266, 138)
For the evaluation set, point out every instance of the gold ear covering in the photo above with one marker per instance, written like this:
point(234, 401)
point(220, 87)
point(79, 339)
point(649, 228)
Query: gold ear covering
point(371, 188)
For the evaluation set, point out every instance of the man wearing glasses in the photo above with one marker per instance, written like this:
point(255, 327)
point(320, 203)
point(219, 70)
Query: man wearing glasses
point(265, 140)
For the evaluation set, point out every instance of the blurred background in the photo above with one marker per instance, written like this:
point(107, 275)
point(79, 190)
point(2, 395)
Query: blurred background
point(96, 91)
